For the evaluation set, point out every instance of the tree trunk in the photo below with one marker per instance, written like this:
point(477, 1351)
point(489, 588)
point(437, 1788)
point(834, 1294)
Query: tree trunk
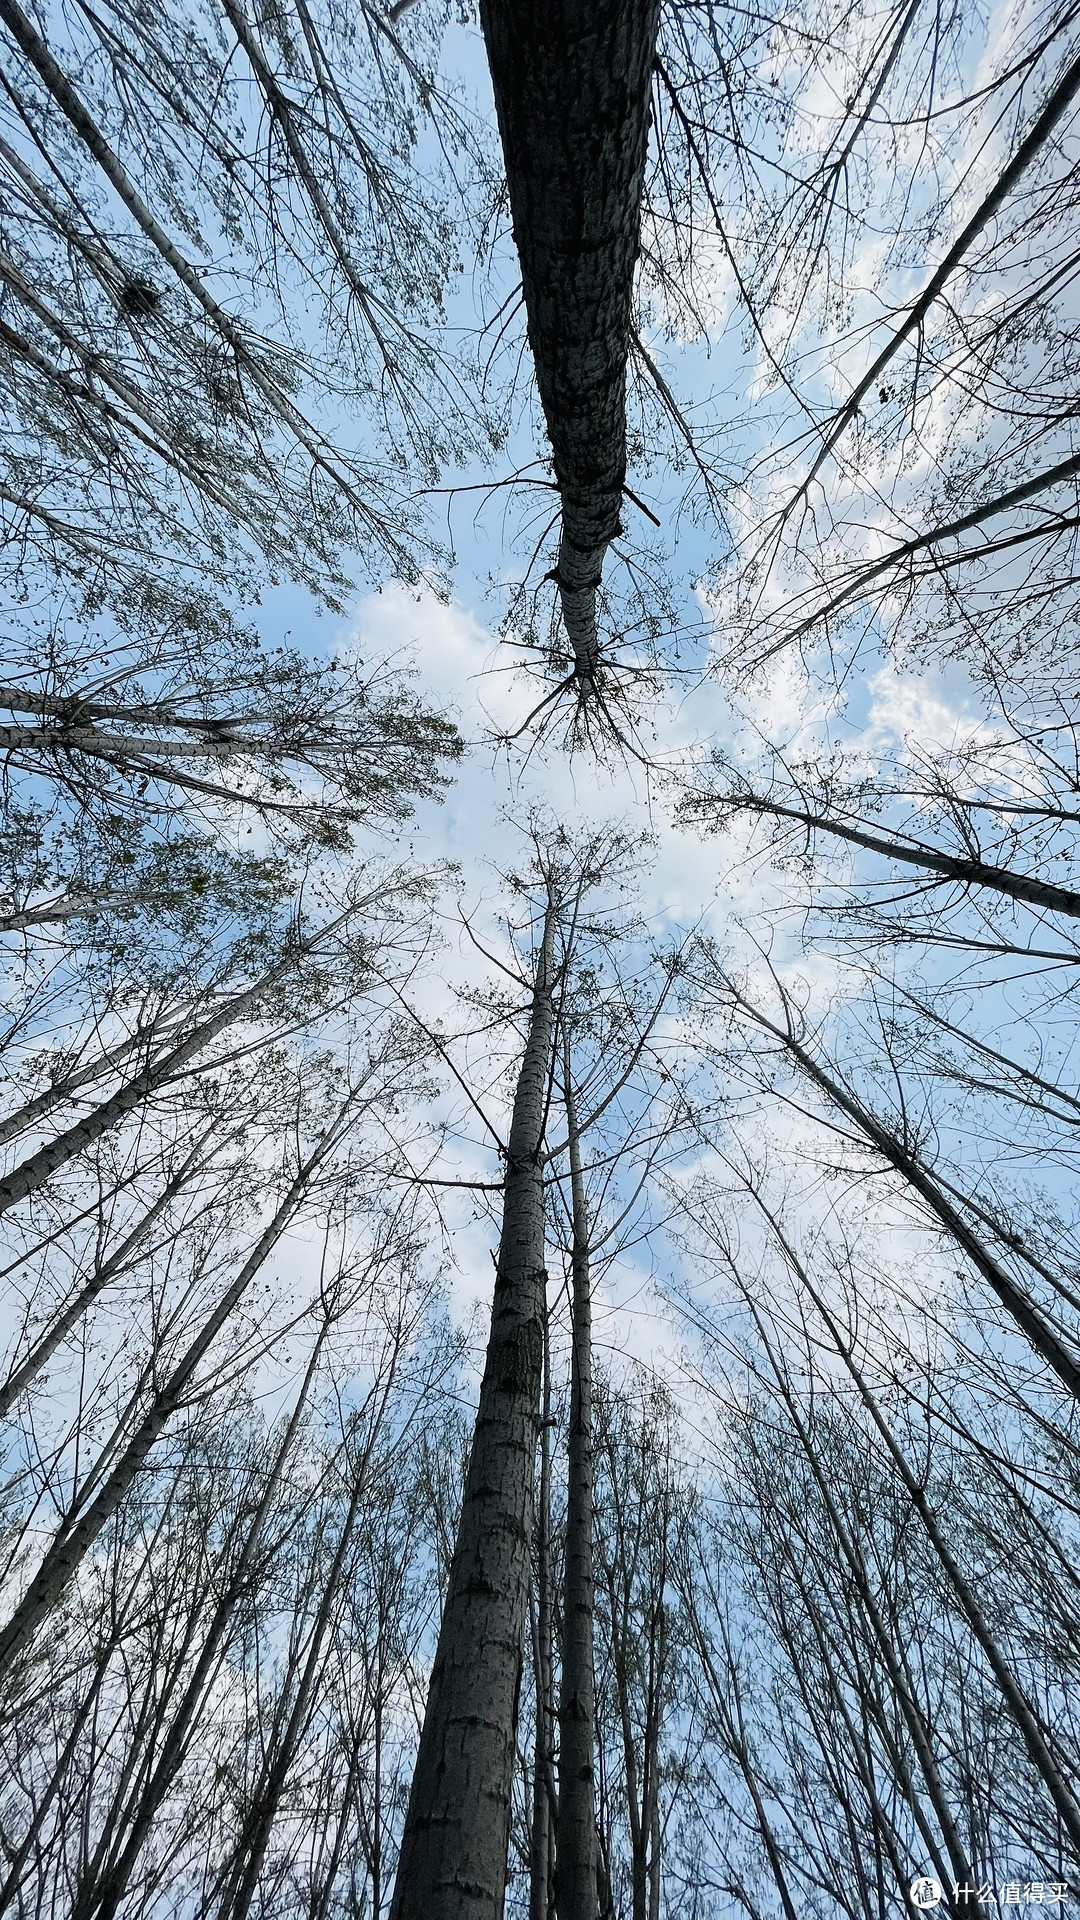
point(575, 1854)
point(64, 907)
point(571, 83)
point(106, 1897)
point(62, 1091)
point(33, 1173)
point(1042, 894)
point(647, 1840)
point(73, 1542)
point(540, 1851)
point(654, 1849)
point(22, 1376)
point(452, 1864)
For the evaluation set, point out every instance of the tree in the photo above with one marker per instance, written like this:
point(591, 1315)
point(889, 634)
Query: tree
point(834, 808)
point(572, 97)
point(793, 1671)
point(575, 1839)
point(889, 1666)
point(642, 1504)
point(75, 1540)
point(454, 1847)
point(159, 412)
point(625, 1108)
point(270, 1518)
point(457, 1832)
point(32, 1173)
point(309, 749)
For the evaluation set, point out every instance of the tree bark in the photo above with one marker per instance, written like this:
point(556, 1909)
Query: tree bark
point(85, 906)
point(571, 83)
point(654, 1848)
point(576, 1896)
point(452, 1864)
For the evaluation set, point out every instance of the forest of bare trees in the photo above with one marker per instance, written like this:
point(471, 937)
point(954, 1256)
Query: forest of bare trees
point(538, 902)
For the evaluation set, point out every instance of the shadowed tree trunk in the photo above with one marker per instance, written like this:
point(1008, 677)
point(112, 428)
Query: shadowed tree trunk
point(571, 84)
point(452, 1864)
point(575, 1853)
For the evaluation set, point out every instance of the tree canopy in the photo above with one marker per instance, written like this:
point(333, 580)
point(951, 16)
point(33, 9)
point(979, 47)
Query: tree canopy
point(541, 774)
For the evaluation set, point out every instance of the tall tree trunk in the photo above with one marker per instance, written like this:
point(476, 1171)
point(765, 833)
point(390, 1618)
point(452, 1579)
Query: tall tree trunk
point(377, 1818)
point(452, 1864)
point(654, 1848)
point(637, 1566)
point(571, 81)
point(968, 872)
point(605, 1897)
point(646, 1865)
point(69, 906)
point(540, 1851)
point(576, 1896)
